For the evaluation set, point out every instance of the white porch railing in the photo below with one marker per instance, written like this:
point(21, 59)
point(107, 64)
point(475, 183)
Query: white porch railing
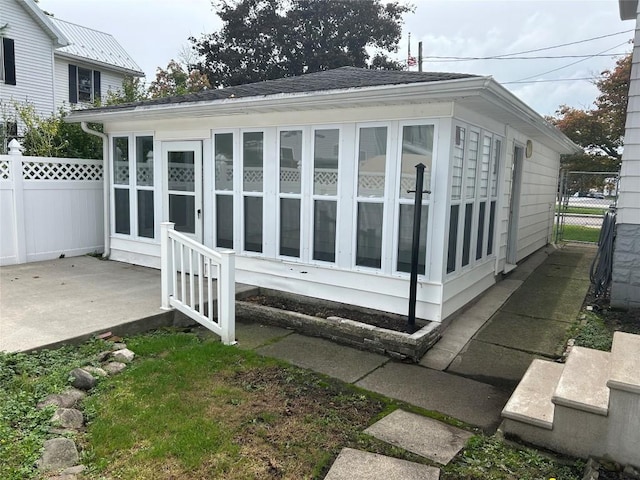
point(187, 275)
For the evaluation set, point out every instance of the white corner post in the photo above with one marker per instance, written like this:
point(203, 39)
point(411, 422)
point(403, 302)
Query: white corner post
point(17, 185)
point(227, 299)
point(166, 264)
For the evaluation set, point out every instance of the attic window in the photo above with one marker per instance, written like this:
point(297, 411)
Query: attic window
point(84, 85)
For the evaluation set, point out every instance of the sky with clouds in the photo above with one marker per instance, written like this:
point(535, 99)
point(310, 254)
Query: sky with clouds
point(155, 31)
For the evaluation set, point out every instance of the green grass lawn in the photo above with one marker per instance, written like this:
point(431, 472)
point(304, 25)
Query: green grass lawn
point(188, 408)
point(577, 233)
point(584, 210)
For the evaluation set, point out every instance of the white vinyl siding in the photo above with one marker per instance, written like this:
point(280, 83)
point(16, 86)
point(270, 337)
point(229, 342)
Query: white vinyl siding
point(34, 60)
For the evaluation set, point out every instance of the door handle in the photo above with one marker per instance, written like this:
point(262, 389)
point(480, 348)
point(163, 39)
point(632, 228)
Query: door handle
point(199, 212)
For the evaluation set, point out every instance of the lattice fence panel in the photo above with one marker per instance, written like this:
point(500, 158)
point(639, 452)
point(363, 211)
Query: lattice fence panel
point(61, 171)
point(5, 170)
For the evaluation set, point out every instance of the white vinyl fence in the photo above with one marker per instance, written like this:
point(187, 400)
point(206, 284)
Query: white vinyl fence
point(49, 207)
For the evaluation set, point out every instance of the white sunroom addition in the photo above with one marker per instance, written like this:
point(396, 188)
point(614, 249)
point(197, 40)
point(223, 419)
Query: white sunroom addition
point(309, 183)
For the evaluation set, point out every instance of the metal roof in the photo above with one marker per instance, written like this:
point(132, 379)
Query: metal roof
point(95, 47)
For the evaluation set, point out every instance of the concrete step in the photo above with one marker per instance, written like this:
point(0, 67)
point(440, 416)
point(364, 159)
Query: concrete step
point(583, 383)
point(423, 436)
point(625, 363)
point(358, 465)
point(531, 403)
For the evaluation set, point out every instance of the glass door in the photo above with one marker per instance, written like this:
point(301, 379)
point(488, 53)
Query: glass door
point(182, 164)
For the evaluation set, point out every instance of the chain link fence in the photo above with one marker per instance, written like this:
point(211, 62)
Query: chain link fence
point(583, 199)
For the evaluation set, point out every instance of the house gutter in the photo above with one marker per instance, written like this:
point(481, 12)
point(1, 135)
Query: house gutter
point(105, 182)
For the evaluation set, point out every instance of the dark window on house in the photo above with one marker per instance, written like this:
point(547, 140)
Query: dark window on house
point(453, 238)
point(84, 84)
point(7, 61)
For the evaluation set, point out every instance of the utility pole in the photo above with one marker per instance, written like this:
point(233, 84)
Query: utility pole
point(419, 56)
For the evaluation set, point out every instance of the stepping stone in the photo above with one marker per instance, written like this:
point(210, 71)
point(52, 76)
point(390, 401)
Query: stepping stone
point(356, 465)
point(423, 436)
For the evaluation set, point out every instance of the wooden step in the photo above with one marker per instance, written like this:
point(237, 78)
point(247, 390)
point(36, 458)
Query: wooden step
point(531, 403)
point(625, 363)
point(583, 384)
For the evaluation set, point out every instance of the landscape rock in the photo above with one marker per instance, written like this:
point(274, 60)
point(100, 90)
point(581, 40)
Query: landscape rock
point(103, 356)
point(119, 346)
point(113, 368)
point(58, 453)
point(68, 418)
point(82, 379)
point(77, 470)
point(123, 355)
point(66, 399)
point(95, 371)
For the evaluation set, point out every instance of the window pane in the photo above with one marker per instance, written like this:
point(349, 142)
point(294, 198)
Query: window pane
point(466, 243)
point(324, 230)
point(417, 147)
point(326, 147)
point(290, 227)
point(181, 174)
point(84, 84)
point(121, 200)
point(492, 220)
point(369, 240)
point(121, 161)
point(224, 221)
point(290, 161)
point(144, 161)
point(223, 154)
point(145, 213)
point(252, 154)
point(372, 156)
point(405, 238)
point(496, 166)
point(182, 212)
point(453, 238)
point(480, 240)
point(458, 161)
point(253, 224)
point(472, 164)
point(484, 168)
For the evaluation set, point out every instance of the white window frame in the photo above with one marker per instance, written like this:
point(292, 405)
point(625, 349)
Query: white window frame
point(426, 198)
point(303, 196)
point(386, 199)
point(313, 196)
point(234, 193)
point(132, 187)
point(242, 193)
point(475, 200)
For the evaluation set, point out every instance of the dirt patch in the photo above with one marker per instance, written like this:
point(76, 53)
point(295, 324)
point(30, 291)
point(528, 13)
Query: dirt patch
point(616, 320)
point(397, 323)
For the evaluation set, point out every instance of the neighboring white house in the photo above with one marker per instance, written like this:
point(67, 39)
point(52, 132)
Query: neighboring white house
point(625, 287)
point(306, 178)
point(52, 63)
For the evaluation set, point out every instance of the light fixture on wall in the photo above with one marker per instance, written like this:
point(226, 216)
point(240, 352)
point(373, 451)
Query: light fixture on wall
point(529, 150)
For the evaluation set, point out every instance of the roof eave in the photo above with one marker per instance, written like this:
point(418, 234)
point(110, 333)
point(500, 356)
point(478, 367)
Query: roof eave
point(41, 19)
point(529, 116)
point(110, 66)
point(283, 101)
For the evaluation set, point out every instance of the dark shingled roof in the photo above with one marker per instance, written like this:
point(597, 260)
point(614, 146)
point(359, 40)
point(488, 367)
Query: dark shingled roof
point(338, 79)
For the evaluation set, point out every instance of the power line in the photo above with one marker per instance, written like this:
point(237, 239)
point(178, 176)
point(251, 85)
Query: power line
point(554, 80)
point(568, 65)
point(565, 44)
point(546, 57)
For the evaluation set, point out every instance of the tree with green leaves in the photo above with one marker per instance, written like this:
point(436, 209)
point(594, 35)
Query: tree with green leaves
point(177, 80)
point(269, 39)
point(599, 131)
point(133, 90)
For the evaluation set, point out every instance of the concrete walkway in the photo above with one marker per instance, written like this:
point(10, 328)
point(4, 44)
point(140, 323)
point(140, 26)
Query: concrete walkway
point(468, 375)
